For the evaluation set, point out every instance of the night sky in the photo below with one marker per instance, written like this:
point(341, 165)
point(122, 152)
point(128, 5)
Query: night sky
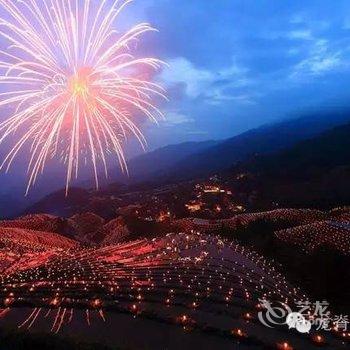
point(237, 64)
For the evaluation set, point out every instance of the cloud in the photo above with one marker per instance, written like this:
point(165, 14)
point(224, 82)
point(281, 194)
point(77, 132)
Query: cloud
point(320, 60)
point(211, 85)
point(323, 64)
point(252, 64)
point(183, 71)
point(300, 34)
point(174, 118)
point(197, 132)
point(218, 96)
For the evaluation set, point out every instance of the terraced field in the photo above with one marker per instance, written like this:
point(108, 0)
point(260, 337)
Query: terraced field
point(196, 289)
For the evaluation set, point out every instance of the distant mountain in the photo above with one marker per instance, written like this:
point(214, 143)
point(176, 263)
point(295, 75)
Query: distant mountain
point(11, 205)
point(263, 140)
point(194, 159)
point(315, 172)
point(57, 203)
point(150, 164)
point(324, 152)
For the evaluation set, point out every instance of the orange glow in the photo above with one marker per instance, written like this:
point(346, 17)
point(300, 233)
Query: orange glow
point(79, 87)
point(284, 346)
point(239, 333)
point(247, 316)
point(78, 84)
point(318, 339)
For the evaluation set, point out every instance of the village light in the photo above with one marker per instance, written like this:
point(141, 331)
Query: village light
point(284, 346)
point(318, 339)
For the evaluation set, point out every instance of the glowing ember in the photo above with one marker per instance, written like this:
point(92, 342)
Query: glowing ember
point(284, 346)
point(184, 318)
point(239, 333)
point(318, 339)
point(248, 316)
point(159, 279)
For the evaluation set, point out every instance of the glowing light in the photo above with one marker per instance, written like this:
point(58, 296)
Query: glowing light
point(247, 316)
point(239, 333)
point(318, 339)
point(76, 90)
point(284, 346)
point(84, 277)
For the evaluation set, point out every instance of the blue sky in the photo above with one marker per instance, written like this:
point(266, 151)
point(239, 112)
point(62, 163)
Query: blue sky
point(237, 64)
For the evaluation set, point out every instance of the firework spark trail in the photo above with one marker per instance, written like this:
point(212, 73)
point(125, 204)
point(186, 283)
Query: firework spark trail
point(4, 312)
point(73, 84)
point(61, 321)
point(34, 318)
point(29, 318)
point(54, 325)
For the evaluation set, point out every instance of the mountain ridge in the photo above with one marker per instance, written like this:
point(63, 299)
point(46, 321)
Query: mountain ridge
point(315, 172)
point(265, 140)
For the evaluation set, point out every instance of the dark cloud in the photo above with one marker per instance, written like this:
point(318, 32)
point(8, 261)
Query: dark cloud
point(236, 64)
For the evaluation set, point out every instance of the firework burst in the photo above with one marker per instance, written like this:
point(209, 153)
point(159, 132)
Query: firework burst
point(74, 88)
